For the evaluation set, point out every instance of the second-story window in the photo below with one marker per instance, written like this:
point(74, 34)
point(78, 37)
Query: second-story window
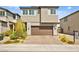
point(31, 12)
point(25, 12)
point(52, 11)
point(28, 12)
point(4, 24)
point(2, 13)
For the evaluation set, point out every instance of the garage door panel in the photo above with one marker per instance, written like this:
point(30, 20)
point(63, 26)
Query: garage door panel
point(45, 27)
point(34, 30)
point(41, 30)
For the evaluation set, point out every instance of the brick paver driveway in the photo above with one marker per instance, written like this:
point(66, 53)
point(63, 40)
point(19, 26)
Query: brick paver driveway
point(45, 39)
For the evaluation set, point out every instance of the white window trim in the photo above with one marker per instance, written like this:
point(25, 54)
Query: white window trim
point(50, 11)
point(5, 13)
point(30, 15)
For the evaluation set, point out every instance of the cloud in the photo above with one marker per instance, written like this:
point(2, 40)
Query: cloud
point(69, 7)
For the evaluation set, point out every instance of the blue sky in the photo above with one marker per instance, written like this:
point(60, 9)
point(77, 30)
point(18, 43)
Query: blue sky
point(62, 10)
point(66, 10)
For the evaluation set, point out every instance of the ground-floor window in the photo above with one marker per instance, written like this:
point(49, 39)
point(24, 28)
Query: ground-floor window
point(4, 24)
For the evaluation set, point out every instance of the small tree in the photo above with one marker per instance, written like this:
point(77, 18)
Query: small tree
point(20, 29)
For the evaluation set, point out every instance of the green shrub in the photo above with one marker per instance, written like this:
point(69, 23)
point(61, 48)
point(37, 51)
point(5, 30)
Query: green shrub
point(13, 36)
point(8, 33)
point(23, 35)
point(20, 31)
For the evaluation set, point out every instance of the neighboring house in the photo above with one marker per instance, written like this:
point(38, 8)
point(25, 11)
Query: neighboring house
point(40, 20)
point(7, 19)
point(70, 23)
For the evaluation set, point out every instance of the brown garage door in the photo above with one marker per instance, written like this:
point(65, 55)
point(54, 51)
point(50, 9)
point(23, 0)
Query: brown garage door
point(42, 30)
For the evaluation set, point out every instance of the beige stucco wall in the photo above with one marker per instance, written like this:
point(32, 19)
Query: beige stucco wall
point(64, 25)
point(72, 22)
point(46, 17)
point(35, 24)
point(3, 19)
point(27, 18)
point(31, 18)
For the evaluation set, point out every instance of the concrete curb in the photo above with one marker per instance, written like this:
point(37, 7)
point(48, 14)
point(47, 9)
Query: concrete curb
point(38, 47)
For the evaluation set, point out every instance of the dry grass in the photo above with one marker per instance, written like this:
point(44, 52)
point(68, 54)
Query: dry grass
point(11, 42)
point(65, 39)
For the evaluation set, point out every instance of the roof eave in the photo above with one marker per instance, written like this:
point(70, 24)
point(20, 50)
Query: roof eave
point(37, 7)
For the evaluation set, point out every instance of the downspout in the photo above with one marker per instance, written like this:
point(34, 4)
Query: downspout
point(40, 14)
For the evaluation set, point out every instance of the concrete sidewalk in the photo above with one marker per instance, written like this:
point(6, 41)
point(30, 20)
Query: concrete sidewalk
point(40, 48)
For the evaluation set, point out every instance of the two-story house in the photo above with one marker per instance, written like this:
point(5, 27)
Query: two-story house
point(40, 20)
point(7, 19)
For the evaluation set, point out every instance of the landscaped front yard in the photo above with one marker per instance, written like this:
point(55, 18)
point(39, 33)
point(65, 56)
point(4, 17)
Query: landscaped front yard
point(19, 35)
point(39, 39)
point(7, 40)
point(16, 35)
